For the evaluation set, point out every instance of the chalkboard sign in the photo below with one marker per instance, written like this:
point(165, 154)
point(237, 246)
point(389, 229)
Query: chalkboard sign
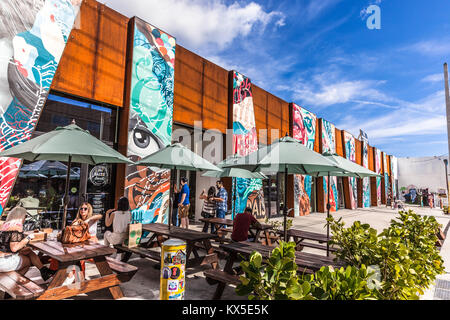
point(99, 202)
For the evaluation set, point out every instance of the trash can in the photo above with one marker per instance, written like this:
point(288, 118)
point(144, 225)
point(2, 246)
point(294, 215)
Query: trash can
point(173, 262)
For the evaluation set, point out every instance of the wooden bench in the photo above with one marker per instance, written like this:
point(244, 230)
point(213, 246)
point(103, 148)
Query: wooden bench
point(223, 278)
point(142, 252)
point(315, 246)
point(18, 287)
point(124, 270)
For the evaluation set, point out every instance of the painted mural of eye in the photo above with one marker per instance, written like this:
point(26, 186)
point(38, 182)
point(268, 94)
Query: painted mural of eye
point(141, 138)
point(142, 142)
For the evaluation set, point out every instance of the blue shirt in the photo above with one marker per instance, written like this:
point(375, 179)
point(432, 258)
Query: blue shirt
point(222, 205)
point(185, 190)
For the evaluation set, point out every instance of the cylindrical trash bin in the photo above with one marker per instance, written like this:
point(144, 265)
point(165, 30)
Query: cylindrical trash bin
point(173, 261)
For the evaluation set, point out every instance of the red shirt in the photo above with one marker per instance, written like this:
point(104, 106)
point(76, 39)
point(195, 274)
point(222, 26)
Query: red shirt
point(241, 224)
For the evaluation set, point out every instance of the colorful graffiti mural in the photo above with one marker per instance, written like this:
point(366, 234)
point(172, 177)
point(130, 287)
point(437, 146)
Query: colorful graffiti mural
point(394, 189)
point(244, 142)
point(365, 181)
point(350, 153)
point(33, 35)
point(378, 170)
point(150, 121)
point(304, 130)
point(329, 145)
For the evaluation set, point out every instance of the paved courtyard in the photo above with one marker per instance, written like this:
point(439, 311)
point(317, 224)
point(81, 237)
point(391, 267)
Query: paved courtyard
point(145, 284)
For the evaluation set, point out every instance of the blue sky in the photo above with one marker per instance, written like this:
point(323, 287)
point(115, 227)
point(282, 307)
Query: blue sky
point(321, 55)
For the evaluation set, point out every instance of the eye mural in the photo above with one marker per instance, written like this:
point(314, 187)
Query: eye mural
point(366, 181)
point(33, 35)
point(378, 170)
point(350, 153)
point(248, 192)
point(329, 145)
point(150, 121)
point(304, 130)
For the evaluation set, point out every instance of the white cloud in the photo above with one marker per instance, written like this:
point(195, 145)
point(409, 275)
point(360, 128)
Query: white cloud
point(431, 47)
point(434, 77)
point(200, 23)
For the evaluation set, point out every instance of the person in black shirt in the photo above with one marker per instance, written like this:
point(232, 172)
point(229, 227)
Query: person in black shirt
point(16, 256)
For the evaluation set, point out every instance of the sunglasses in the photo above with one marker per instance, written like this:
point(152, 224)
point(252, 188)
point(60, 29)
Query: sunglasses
point(83, 208)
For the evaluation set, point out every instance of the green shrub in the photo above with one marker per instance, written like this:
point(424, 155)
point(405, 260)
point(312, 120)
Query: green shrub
point(405, 252)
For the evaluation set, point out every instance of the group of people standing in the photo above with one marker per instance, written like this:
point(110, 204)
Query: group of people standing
point(215, 203)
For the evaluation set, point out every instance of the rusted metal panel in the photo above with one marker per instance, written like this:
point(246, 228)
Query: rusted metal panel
point(340, 150)
point(93, 62)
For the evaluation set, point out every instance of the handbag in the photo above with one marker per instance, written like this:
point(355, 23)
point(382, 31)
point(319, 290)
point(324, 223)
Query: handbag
point(76, 233)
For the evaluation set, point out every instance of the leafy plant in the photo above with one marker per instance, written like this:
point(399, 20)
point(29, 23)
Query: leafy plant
point(278, 279)
point(405, 252)
point(278, 225)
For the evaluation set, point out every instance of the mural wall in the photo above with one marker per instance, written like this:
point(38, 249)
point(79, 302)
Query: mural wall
point(386, 176)
point(33, 35)
point(150, 121)
point(304, 130)
point(350, 153)
point(393, 175)
point(329, 145)
point(378, 170)
point(365, 181)
point(247, 192)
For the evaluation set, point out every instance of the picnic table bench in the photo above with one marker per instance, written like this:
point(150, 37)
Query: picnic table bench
point(307, 263)
point(254, 232)
point(299, 237)
point(15, 286)
point(159, 232)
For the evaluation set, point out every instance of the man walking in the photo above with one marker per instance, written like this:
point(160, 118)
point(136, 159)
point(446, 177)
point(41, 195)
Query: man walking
point(221, 199)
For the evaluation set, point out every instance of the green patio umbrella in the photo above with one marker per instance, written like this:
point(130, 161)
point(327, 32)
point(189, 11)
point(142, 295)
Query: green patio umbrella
point(286, 155)
point(69, 144)
point(177, 157)
point(235, 173)
point(351, 170)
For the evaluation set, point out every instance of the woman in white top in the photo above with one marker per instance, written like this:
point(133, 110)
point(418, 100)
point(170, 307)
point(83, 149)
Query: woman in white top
point(119, 219)
point(86, 214)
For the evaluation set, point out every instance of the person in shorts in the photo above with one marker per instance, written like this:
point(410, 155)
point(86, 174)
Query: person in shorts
point(184, 204)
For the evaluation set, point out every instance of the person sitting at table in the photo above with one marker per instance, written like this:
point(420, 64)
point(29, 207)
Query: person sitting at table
point(242, 223)
point(84, 214)
point(209, 205)
point(120, 219)
point(15, 255)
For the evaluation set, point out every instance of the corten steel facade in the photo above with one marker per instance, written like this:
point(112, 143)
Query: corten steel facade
point(96, 64)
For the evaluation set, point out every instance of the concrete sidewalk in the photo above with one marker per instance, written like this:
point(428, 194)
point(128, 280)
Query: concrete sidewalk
point(145, 284)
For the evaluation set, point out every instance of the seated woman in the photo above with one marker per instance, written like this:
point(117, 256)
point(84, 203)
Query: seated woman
point(85, 214)
point(119, 218)
point(15, 255)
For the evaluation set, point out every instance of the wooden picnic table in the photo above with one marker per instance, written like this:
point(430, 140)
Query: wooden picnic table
point(159, 232)
point(71, 254)
point(306, 262)
point(254, 232)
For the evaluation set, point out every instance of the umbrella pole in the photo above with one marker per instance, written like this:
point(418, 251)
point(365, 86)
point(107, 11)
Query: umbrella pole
point(285, 202)
point(328, 215)
point(66, 195)
point(171, 197)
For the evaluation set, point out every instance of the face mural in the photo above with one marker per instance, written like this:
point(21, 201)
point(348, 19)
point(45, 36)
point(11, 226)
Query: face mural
point(33, 35)
point(366, 181)
point(150, 122)
point(329, 145)
point(304, 130)
point(378, 170)
point(248, 192)
point(350, 152)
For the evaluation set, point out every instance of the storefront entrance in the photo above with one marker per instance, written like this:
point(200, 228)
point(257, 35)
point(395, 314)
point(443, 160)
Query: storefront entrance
point(94, 184)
